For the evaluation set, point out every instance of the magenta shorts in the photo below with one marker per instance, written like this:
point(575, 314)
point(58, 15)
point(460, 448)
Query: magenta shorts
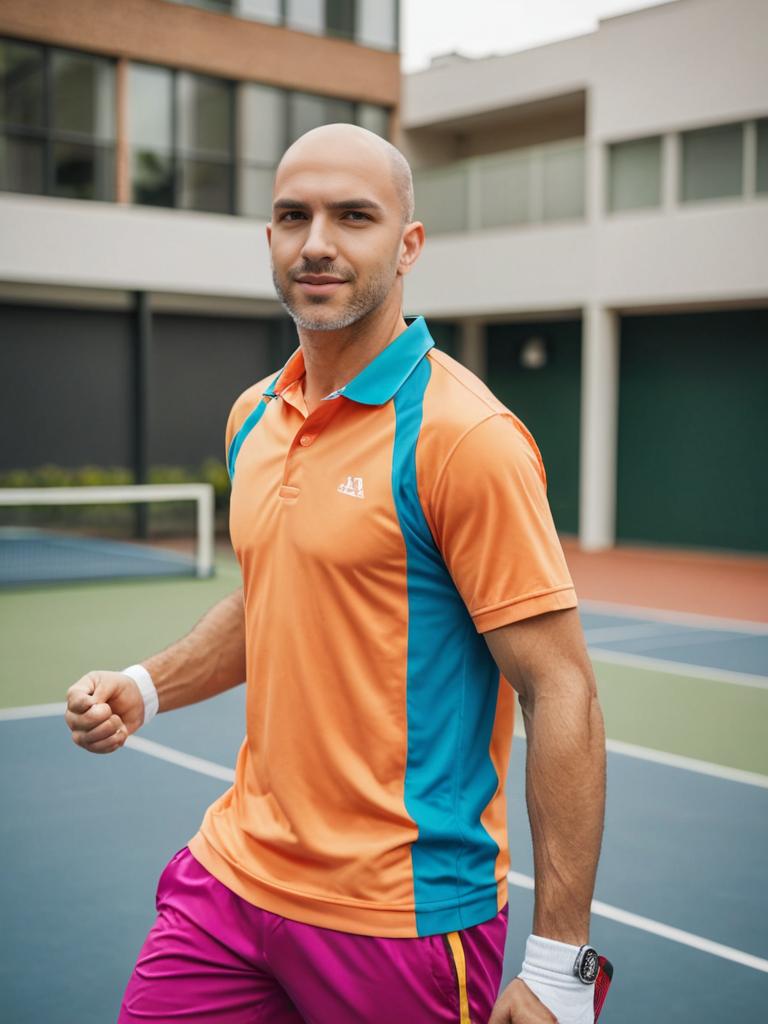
point(213, 958)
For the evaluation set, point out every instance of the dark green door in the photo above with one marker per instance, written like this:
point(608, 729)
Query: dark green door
point(547, 399)
point(693, 430)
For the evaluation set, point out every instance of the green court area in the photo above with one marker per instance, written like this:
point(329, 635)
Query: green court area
point(51, 635)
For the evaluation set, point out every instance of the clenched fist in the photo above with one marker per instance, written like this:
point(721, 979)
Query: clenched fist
point(103, 709)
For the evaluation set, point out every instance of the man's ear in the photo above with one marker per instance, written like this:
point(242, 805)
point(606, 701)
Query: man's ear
point(410, 247)
point(269, 234)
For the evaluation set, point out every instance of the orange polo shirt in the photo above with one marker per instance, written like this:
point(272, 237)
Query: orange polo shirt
point(379, 538)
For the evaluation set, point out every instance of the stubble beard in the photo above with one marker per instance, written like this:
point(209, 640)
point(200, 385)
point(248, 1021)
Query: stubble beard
point(361, 303)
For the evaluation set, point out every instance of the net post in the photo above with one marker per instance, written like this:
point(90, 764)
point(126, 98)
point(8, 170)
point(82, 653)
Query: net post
point(205, 530)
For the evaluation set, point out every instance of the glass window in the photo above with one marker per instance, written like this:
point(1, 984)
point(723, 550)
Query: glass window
point(73, 155)
point(22, 164)
point(305, 15)
point(562, 173)
point(150, 130)
point(21, 84)
point(375, 119)
point(635, 174)
point(205, 115)
point(262, 123)
point(182, 139)
point(712, 160)
point(255, 184)
point(205, 185)
point(340, 18)
point(503, 185)
point(152, 178)
point(83, 171)
point(150, 105)
point(260, 10)
point(262, 115)
point(83, 95)
point(377, 23)
point(441, 198)
point(307, 112)
point(762, 155)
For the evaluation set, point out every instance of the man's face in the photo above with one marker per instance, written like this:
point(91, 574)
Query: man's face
point(335, 236)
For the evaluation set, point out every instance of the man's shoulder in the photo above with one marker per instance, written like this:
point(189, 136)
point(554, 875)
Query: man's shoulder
point(461, 391)
point(461, 410)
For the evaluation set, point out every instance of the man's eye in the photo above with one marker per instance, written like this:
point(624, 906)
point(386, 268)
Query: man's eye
point(356, 215)
point(293, 215)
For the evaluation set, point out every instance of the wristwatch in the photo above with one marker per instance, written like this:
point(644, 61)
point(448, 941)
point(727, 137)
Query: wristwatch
point(586, 965)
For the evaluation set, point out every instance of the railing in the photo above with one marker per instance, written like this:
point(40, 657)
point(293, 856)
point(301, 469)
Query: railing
point(523, 186)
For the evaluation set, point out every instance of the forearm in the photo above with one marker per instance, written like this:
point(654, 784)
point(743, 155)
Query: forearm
point(209, 660)
point(565, 793)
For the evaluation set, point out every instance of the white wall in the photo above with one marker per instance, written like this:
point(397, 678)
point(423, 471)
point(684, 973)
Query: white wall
point(682, 64)
point(461, 89)
point(710, 253)
point(68, 242)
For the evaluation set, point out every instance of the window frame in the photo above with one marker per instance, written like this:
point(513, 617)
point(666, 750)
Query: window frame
point(48, 134)
point(177, 156)
point(288, 126)
point(282, 21)
point(738, 197)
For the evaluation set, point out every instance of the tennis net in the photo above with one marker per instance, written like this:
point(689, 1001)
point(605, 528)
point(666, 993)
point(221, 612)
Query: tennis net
point(50, 534)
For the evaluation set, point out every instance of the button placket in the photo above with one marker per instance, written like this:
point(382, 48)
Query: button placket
point(310, 430)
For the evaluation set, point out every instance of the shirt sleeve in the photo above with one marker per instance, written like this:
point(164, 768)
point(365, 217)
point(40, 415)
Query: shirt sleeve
point(493, 526)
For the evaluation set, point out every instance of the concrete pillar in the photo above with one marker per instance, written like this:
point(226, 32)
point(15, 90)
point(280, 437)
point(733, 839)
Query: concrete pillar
point(472, 347)
point(599, 427)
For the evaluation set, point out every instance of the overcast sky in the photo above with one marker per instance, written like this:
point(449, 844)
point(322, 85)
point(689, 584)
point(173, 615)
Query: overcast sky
point(481, 27)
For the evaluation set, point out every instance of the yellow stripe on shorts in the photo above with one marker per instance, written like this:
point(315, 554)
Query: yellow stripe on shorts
point(457, 951)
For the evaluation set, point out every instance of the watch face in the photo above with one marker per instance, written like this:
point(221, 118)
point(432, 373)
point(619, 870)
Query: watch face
point(587, 965)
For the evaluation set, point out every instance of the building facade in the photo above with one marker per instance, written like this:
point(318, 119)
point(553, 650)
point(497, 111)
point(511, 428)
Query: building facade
point(596, 210)
point(138, 141)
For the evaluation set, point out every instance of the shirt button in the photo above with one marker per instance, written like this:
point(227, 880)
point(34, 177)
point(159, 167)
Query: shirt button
point(306, 440)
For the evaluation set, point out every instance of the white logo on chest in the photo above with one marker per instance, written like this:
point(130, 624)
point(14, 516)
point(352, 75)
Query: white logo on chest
point(353, 486)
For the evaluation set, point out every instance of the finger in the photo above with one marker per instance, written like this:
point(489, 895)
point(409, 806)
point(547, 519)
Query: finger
point(104, 731)
point(80, 695)
point(108, 746)
point(94, 716)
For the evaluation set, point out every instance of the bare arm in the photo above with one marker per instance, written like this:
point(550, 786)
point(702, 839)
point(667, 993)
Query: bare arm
point(545, 660)
point(104, 708)
point(208, 660)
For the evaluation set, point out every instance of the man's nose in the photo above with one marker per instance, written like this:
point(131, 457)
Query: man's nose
point(319, 243)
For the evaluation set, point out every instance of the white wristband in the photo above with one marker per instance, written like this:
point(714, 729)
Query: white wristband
point(548, 973)
point(143, 680)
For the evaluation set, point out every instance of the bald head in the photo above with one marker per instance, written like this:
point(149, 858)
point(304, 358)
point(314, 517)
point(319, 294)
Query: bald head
point(354, 146)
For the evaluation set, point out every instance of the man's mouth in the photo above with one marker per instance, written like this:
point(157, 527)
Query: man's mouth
point(319, 284)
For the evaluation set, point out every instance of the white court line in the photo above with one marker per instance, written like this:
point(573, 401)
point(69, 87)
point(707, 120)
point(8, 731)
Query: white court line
point(218, 771)
point(679, 668)
point(662, 757)
point(646, 924)
point(632, 611)
point(32, 711)
point(178, 757)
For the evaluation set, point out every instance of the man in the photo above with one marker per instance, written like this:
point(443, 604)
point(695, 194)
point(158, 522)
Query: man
point(399, 566)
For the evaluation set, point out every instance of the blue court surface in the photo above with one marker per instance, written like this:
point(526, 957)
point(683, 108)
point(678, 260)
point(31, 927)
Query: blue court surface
point(33, 556)
point(681, 898)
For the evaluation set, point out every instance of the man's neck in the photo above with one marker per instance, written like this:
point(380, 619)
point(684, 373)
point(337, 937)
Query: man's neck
point(333, 358)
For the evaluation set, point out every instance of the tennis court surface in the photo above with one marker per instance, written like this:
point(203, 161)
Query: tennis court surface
point(681, 902)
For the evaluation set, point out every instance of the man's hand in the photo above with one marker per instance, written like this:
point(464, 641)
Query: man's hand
point(103, 709)
point(518, 1005)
